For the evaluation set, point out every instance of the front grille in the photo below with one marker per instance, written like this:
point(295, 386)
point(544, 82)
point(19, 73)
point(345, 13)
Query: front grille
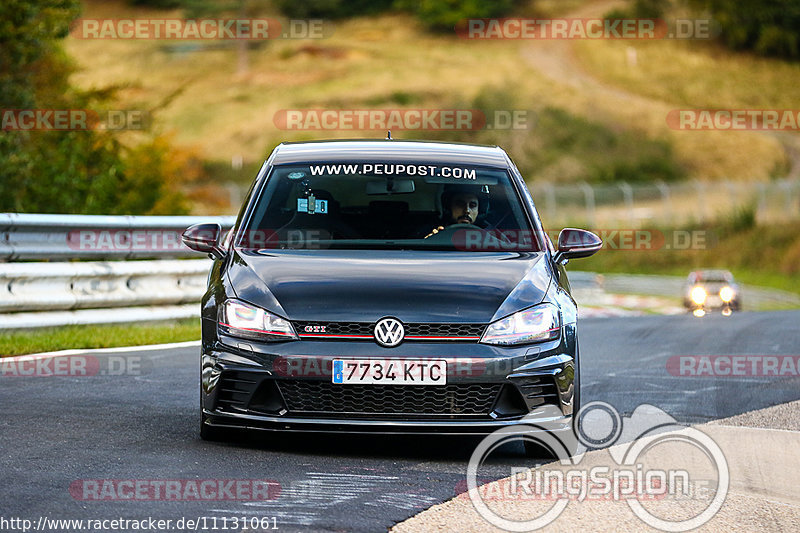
point(413, 331)
point(444, 330)
point(320, 399)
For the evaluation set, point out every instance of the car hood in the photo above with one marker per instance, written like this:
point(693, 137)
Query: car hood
point(364, 286)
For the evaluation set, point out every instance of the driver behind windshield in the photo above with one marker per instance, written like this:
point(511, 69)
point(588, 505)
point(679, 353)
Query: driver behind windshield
point(460, 205)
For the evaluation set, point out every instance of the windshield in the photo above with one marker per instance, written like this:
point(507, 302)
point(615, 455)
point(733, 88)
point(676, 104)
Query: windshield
point(371, 205)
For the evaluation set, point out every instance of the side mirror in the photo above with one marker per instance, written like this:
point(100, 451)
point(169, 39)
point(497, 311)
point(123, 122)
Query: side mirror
point(204, 238)
point(574, 243)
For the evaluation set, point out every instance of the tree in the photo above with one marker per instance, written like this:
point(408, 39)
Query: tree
point(768, 27)
point(82, 171)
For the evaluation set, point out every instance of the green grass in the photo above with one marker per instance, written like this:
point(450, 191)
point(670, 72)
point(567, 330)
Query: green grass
point(701, 74)
point(21, 342)
point(694, 74)
point(766, 256)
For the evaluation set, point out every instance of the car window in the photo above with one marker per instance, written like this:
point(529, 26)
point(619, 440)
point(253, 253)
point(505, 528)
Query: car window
point(712, 276)
point(372, 205)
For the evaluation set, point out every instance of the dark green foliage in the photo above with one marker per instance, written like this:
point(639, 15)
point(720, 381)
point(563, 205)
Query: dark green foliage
point(742, 218)
point(158, 4)
point(650, 9)
point(332, 9)
point(437, 15)
point(596, 153)
point(642, 9)
point(608, 156)
point(768, 27)
point(27, 30)
point(444, 15)
point(85, 171)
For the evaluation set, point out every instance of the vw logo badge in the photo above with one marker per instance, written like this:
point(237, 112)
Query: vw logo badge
point(389, 332)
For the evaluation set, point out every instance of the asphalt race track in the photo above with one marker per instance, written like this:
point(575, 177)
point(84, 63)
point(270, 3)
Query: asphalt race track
point(137, 419)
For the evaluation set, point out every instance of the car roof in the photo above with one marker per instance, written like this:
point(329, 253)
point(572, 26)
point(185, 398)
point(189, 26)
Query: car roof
point(711, 275)
point(390, 151)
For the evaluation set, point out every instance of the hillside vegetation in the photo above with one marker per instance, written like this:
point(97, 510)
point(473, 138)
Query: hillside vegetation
point(391, 61)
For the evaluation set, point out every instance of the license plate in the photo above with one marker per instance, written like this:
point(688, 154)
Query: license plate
point(390, 371)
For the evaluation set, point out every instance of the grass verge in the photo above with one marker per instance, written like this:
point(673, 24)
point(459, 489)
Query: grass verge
point(21, 342)
point(761, 255)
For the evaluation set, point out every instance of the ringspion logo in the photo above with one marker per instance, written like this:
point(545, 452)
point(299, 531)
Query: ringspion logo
point(639, 459)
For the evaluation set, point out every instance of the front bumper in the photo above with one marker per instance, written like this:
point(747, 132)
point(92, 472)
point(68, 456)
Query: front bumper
point(287, 387)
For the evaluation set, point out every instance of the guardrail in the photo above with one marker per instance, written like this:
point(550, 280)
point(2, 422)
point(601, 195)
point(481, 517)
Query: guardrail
point(51, 294)
point(57, 292)
point(62, 237)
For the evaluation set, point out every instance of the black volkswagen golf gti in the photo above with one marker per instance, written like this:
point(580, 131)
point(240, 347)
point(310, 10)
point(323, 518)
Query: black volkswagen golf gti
point(392, 287)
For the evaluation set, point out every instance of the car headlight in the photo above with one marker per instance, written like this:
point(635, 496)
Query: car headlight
point(698, 295)
point(537, 324)
point(248, 321)
point(726, 294)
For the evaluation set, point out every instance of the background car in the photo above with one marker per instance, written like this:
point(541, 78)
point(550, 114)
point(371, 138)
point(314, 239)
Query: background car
point(707, 290)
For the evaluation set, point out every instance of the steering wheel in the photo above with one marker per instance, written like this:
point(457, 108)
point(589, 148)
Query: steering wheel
point(445, 236)
point(488, 240)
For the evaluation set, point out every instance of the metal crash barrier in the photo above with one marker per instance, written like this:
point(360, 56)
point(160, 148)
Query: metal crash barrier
point(60, 291)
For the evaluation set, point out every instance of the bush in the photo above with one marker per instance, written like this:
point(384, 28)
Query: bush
point(604, 154)
point(158, 4)
point(740, 220)
point(437, 15)
point(332, 9)
point(642, 9)
point(443, 15)
point(558, 145)
point(650, 9)
point(84, 171)
point(767, 27)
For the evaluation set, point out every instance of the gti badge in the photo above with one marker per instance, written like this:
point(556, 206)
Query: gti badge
point(389, 332)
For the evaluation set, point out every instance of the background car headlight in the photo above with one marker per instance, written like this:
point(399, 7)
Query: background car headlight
point(698, 295)
point(726, 294)
point(537, 324)
point(251, 322)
